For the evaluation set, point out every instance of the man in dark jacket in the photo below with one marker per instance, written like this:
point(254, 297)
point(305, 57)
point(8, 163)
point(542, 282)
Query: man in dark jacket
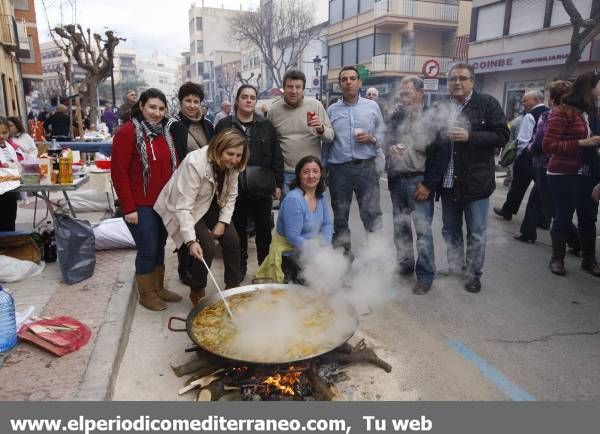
point(415, 168)
point(58, 126)
point(190, 131)
point(476, 127)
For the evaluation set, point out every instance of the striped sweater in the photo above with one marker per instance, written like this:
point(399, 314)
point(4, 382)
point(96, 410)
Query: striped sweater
point(566, 127)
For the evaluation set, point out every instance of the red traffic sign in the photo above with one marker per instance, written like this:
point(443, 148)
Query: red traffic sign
point(431, 68)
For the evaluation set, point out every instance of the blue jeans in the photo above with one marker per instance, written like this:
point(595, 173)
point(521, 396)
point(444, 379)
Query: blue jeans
point(404, 205)
point(150, 238)
point(288, 178)
point(359, 177)
point(476, 215)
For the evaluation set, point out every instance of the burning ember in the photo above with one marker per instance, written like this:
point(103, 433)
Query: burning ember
point(216, 379)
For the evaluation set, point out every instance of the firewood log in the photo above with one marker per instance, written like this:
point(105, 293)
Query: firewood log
point(192, 366)
point(366, 355)
point(321, 390)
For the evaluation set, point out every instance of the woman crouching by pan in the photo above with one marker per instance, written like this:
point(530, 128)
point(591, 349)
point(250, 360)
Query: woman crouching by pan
point(304, 215)
point(197, 204)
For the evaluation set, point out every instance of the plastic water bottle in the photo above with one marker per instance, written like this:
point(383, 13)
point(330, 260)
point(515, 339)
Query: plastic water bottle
point(8, 324)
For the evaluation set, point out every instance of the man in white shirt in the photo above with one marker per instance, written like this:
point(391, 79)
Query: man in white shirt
point(523, 172)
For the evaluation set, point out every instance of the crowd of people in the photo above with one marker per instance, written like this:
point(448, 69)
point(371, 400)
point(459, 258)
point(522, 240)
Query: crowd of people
point(182, 177)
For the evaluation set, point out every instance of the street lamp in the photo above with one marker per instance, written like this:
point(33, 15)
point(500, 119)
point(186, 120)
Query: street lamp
point(317, 63)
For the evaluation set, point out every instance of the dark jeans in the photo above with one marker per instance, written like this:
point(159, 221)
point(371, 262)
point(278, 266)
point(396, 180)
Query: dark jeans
point(150, 238)
point(572, 193)
point(230, 244)
point(475, 215)
point(260, 212)
point(523, 175)
point(8, 213)
point(539, 205)
point(359, 177)
point(404, 205)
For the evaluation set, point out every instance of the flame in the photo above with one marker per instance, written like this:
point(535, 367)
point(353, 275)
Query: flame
point(284, 383)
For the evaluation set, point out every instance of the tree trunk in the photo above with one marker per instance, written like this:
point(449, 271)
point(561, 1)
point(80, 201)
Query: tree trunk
point(568, 69)
point(92, 84)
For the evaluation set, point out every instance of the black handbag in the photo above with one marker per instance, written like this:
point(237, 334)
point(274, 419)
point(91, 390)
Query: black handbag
point(256, 182)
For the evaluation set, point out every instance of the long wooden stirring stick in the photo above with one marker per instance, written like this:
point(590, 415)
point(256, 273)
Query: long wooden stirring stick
point(217, 285)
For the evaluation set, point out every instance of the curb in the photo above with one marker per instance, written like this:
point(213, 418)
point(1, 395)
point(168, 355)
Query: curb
point(112, 339)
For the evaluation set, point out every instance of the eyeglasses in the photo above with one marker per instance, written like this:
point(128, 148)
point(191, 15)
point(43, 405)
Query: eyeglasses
point(460, 78)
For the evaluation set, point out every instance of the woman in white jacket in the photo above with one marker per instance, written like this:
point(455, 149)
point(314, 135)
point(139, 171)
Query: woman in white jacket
point(19, 137)
point(197, 203)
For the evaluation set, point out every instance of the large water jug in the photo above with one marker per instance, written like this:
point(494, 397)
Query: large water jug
point(8, 324)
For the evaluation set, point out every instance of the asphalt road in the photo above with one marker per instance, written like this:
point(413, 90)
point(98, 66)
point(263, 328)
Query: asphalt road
point(529, 335)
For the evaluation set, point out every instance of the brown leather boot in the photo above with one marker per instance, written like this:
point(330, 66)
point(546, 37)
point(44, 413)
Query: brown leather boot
point(557, 262)
point(588, 254)
point(148, 296)
point(197, 294)
point(159, 282)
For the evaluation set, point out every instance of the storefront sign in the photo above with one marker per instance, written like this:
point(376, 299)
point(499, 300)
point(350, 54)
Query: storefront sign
point(526, 59)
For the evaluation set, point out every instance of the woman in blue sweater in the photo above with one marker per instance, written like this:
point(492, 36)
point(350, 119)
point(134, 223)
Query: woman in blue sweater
point(304, 214)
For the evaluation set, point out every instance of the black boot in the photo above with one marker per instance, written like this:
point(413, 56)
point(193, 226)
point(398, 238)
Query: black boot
point(573, 242)
point(557, 262)
point(588, 253)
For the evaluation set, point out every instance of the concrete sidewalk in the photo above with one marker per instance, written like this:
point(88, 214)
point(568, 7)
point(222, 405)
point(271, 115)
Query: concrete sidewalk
point(103, 302)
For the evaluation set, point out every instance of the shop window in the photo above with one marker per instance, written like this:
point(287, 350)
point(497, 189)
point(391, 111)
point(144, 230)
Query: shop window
point(335, 56)
point(526, 15)
point(349, 53)
point(560, 16)
point(365, 49)
point(336, 10)
point(490, 21)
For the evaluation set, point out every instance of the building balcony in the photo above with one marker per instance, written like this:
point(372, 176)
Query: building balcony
point(416, 9)
point(404, 63)
point(8, 36)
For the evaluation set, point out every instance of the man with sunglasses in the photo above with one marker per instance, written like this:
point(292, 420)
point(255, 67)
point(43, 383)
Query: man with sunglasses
point(476, 127)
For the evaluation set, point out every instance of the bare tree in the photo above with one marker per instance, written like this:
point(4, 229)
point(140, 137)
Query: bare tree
point(229, 77)
point(93, 53)
point(280, 29)
point(249, 80)
point(584, 31)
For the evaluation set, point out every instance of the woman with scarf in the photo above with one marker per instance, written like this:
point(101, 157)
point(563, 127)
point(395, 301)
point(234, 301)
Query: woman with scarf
point(262, 180)
point(143, 160)
point(197, 205)
point(191, 130)
point(572, 141)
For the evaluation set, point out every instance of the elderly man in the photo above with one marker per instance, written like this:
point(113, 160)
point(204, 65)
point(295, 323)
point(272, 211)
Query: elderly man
point(225, 111)
point(125, 109)
point(372, 94)
point(359, 133)
point(523, 171)
point(301, 123)
point(476, 127)
point(415, 170)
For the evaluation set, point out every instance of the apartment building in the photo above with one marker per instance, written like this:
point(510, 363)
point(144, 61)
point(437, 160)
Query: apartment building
point(12, 100)
point(124, 62)
point(391, 39)
point(209, 39)
point(28, 53)
point(161, 73)
point(519, 45)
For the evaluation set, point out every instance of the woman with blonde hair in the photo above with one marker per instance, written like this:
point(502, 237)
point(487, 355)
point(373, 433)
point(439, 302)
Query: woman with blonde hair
point(197, 204)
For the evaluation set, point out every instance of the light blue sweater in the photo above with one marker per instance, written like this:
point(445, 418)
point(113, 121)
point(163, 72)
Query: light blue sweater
point(297, 223)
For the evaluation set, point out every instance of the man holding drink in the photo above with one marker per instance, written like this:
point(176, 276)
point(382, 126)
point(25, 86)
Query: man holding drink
point(301, 123)
point(469, 177)
point(415, 170)
point(359, 132)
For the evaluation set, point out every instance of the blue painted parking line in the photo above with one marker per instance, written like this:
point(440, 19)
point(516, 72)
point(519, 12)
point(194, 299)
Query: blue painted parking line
point(507, 387)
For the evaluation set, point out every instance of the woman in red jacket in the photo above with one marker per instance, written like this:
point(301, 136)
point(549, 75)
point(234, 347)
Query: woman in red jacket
point(573, 171)
point(143, 160)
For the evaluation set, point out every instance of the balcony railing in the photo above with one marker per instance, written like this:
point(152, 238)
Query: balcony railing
point(8, 38)
point(416, 9)
point(406, 63)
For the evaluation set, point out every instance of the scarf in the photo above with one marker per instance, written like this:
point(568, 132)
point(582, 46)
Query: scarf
point(145, 130)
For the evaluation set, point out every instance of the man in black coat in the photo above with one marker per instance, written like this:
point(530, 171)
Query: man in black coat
point(476, 127)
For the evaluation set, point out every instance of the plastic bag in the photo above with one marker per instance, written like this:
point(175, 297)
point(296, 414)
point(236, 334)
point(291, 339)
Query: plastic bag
point(13, 270)
point(87, 201)
point(76, 250)
point(113, 234)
